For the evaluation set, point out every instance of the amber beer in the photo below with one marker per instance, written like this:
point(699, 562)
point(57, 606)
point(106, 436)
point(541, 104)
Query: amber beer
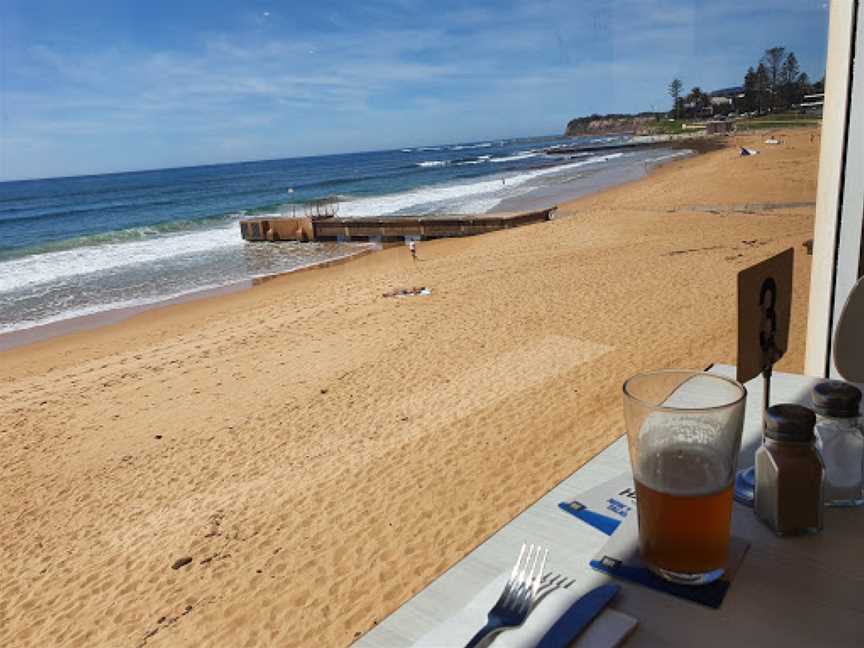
point(684, 433)
point(684, 511)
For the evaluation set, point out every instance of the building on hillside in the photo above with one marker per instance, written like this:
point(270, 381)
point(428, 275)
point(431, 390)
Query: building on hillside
point(694, 109)
point(719, 102)
point(726, 100)
point(813, 103)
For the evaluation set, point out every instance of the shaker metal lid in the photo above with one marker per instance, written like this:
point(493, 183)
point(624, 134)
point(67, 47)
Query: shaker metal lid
point(836, 398)
point(790, 422)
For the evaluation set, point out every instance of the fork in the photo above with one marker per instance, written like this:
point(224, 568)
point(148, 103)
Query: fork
point(519, 595)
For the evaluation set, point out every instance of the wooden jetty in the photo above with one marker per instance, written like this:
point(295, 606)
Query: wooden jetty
point(386, 228)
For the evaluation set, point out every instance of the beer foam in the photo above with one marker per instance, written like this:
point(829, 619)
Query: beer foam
point(683, 469)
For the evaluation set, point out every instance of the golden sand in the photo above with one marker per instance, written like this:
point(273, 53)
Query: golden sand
point(321, 452)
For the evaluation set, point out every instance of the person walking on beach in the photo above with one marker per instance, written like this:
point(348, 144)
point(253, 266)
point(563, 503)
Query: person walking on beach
point(412, 247)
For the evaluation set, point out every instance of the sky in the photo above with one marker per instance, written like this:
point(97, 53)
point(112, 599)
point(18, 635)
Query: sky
point(113, 85)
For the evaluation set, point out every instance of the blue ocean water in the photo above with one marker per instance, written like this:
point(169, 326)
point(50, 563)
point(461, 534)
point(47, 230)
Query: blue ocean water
point(81, 245)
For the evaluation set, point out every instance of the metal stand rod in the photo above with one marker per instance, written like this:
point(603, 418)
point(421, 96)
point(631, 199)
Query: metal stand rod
point(745, 480)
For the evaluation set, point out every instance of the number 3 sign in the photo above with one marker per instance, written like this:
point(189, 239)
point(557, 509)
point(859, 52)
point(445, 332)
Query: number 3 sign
point(764, 307)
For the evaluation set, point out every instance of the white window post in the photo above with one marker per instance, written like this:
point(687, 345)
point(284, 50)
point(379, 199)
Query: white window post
point(837, 247)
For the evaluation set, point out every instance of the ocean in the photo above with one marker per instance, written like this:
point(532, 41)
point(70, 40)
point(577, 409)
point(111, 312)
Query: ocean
point(71, 247)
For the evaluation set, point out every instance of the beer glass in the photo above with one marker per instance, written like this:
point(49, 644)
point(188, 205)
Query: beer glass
point(684, 433)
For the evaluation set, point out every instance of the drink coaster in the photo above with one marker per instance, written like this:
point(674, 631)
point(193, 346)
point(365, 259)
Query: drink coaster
point(610, 507)
point(619, 557)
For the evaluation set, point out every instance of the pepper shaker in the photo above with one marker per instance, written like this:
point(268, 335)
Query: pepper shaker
point(789, 472)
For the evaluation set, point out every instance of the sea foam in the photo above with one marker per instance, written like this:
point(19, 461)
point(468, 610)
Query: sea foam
point(51, 266)
point(454, 197)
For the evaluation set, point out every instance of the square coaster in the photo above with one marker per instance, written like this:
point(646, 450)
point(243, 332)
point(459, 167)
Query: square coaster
point(610, 507)
point(619, 557)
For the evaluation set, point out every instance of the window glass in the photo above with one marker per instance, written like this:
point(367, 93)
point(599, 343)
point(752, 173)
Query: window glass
point(300, 302)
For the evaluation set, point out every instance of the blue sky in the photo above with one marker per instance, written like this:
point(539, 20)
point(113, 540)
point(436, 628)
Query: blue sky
point(100, 86)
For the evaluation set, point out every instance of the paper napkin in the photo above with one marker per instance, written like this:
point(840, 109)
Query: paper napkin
point(607, 630)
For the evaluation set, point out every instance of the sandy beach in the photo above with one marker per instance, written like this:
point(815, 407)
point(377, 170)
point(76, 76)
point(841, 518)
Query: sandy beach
point(287, 464)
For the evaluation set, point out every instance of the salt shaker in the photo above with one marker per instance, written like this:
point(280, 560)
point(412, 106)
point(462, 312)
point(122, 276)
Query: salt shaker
point(789, 472)
point(840, 439)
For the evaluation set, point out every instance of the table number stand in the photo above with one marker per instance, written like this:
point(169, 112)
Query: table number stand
point(764, 308)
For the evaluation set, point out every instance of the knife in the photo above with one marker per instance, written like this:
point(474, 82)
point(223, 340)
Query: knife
point(578, 616)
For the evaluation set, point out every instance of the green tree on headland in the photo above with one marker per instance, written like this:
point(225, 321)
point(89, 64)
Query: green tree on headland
point(772, 60)
point(674, 91)
point(763, 89)
point(776, 83)
point(791, 83)
point(748, 104)
point(697, 100)
point(790, 70)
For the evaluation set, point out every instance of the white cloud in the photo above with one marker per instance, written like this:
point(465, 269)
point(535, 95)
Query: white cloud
point(526, 69)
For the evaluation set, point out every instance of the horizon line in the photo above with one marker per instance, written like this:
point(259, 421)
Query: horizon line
point(275, 159)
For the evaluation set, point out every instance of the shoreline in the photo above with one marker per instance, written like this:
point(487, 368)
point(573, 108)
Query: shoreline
point(538, 199)
point(91, 321)
point(573, 187)
point(94, 321)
